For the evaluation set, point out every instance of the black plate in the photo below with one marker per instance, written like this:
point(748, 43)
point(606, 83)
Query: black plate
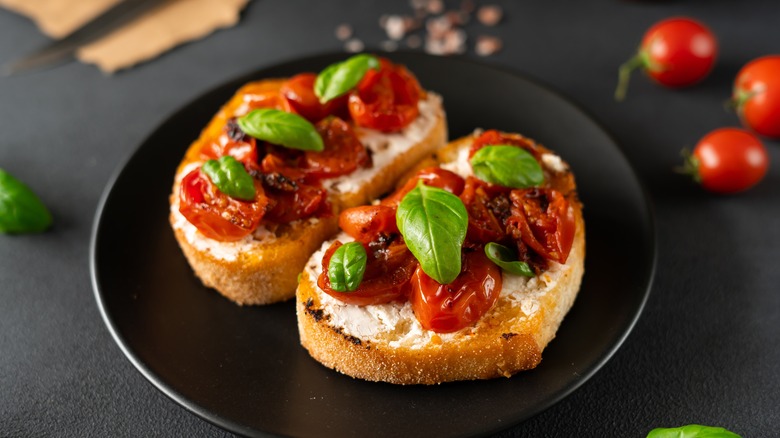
point(242, 368)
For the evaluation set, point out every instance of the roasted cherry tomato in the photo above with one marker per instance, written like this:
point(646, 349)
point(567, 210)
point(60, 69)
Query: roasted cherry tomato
point(366, 222)
point(303, 202)
point(299, 92)
point(262, 95)
point(675, 52)
point(215, 214)
point(757, 95)
point(493, 137)
point(446, 308)
point(343, 152)
point(728, 160)
point(430, 176)
point(386, 99)
point(544, 220)
point(482, 203)
point(232, 142)
point(387, 277)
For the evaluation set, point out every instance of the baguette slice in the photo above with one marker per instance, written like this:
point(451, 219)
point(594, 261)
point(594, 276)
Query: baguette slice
point(386, 342)
point(263, 268)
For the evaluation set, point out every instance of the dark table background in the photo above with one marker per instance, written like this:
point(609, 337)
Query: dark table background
point(705, 349)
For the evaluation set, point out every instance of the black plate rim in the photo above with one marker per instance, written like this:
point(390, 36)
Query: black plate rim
point(235, 427)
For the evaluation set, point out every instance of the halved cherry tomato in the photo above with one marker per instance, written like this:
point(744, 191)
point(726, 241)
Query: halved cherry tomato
point(430, 176)
point(544, 220)
point(676, 52)
point(729, 160)
point(258, 96)
point(365, 223)
point(446, 308)
point(493, 137)
point(484, 226)
point(386, 279)
point(343, 152)
point(305, 201)
point(299, 92)
point(757, 95)
point(215, 214)
point(386, 99)
point(232, 142)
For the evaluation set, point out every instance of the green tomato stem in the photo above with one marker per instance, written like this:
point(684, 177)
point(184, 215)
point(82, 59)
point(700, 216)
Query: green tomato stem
point(624, 74)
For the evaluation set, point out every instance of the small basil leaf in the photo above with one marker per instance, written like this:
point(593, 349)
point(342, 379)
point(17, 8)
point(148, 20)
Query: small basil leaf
point(506, 259)
point(230, 177)
point(433, 222)
point(339, 78)
point(509, 166)
point(21, 211)
point(281, 128)
point(347, 266)
point(692, 431)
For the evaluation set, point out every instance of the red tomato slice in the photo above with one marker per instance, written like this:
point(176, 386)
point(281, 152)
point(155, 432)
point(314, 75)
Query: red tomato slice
point(215, 214)
point(446, 308)
point(430, 176)
point(365, 223)
point(386, 99)
point(299, 93)
point(343, 152)
point(387, 276)
point(544, 220)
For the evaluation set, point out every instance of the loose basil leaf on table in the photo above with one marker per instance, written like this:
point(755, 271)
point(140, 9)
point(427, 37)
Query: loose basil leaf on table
point(692, 431)
point(506, 259)
point(21, 211)
point(347, 267)
point(509, 166)
point(230, 177)
point(339, 78)
point(281, 128)
point(433, 222)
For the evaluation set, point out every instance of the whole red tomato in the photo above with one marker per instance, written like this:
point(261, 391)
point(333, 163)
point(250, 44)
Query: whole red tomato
point(728, 160)
point(757, 95)
point(676, 52)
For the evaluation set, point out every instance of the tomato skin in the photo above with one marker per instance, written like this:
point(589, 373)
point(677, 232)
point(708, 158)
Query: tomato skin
point(681, 51)
point(757, 95)
point(299, 94)
point(258, 96)
point(215, 214)
point(232, 142)
point(366, 222)
point(493, 137)
point(430, 176)
point(544, 220)
point(387, 277)
point(386, 99)
point(730, 160)
point(343, 152)
point(483, 226)
point(451, 307)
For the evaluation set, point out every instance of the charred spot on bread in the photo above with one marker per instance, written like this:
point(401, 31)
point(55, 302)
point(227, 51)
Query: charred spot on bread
point(508, 336)
point(317, 314)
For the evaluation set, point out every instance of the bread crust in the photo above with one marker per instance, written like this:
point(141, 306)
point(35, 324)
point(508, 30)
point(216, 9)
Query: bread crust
point(505, 341)
point(266, 271)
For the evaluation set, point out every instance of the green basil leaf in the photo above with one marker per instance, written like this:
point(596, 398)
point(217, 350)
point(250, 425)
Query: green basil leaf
point(281, 128)
point(506, 259)
point(339, 78)
point(509, 166)
point(230, 177)
point(692, 431)
point(21, 211)
point(347, 266)
point(433, 222)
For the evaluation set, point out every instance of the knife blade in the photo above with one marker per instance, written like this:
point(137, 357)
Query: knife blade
point(64, 50)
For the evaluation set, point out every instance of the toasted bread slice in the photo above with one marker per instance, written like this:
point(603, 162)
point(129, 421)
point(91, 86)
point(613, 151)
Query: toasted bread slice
point(386, 342)
point(263, 268)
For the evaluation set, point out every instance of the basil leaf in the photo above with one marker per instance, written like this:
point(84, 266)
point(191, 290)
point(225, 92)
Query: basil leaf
point(506, 259)
point(281, 128)
point(347, 266)
point(337, 79)
point(230, 177)
point(21, 211)
point(433, 222)
point(692, 431)
point(509, 166)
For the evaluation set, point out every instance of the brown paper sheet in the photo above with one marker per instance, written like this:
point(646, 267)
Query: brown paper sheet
point(172, 23)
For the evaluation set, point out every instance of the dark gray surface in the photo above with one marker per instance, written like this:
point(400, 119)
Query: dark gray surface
point(704, 351)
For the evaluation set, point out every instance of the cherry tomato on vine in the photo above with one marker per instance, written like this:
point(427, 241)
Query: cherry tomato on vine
point(757, 95)
point(676, 52)
point(728, 160)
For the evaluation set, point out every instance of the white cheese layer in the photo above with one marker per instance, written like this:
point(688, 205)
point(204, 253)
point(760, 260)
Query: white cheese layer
point(396, 324)
point(384, 148)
